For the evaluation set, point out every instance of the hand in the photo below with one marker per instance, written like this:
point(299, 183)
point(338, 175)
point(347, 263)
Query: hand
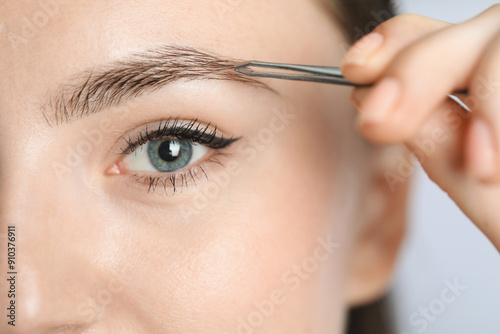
point(415, 62)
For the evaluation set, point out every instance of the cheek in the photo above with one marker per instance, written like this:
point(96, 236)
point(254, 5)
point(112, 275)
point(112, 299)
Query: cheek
point(260, 264)
point(278, 236)
point(270, 246)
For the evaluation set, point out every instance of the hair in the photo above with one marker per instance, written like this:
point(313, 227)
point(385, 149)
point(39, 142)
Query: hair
point(356, 19)
point(359, 17)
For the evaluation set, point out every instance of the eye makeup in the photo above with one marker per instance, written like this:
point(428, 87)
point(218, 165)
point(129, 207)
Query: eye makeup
point(176, 128)
point(161, 155)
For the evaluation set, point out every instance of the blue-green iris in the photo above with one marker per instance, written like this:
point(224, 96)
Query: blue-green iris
point(168, 155)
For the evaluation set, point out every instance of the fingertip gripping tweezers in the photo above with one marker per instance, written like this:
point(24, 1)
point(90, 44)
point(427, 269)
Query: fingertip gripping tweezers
point(324, 74)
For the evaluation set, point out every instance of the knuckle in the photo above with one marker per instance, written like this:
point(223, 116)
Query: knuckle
point(405, 19)
point(411, 23)
point(494, 8)
point(411, 17)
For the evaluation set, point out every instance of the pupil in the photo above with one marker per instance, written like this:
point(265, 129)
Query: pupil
point(169, 150)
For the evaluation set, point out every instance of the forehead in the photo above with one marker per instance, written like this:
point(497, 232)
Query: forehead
point(108, 28)
point(45, 42)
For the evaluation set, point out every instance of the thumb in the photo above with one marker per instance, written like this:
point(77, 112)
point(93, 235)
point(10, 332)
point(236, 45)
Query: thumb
point(439, 148)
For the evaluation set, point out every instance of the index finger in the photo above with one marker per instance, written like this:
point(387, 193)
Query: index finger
point(368, 58)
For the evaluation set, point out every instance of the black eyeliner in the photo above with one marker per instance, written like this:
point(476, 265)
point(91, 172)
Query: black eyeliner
point(192, 131)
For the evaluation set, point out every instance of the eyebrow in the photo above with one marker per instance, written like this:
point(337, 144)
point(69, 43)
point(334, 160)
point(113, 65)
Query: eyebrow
point(111, 85)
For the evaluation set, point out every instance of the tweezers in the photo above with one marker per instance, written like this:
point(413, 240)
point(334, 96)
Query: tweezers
point(325, 74)
point(332, 75)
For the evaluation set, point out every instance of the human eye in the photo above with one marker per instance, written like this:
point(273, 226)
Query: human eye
point(171, 154)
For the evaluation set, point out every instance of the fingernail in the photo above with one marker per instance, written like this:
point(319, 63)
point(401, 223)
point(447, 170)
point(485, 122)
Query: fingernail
point(381, 102)
point(362, 50)
point(482, 152)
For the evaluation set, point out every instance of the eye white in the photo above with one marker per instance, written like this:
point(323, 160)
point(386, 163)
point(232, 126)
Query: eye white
point(139, 160)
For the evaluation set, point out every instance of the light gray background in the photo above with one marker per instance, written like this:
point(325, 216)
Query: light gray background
point(442, 244)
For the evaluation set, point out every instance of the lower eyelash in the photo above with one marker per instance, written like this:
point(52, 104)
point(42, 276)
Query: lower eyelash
point(178, 180)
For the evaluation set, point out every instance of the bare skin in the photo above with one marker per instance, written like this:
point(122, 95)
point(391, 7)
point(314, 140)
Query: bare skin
point(423, 60)
point(281, 231)
point(294, 225)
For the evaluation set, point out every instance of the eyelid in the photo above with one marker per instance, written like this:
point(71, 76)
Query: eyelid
point(160, 65)
point(146, 165)
point(177, 128)
point(192, 130)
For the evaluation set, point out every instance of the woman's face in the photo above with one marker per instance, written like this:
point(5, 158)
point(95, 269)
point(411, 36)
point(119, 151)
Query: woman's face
point(123, 229)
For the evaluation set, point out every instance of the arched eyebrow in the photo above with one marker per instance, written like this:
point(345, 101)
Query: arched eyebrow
point(96, 89)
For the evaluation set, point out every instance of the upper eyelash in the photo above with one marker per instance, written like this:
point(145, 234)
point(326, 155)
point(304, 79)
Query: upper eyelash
point(171, 128)
point(188, 130)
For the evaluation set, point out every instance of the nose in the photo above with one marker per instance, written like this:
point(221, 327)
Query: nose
point(48, 273)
